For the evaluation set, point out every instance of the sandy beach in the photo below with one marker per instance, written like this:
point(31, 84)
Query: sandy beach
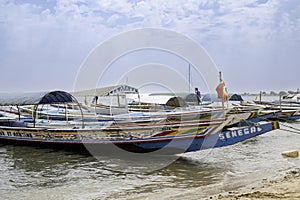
point(281, 184)
point(285, 186)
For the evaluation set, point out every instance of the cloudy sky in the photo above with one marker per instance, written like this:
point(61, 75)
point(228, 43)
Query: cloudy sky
point(255, 43)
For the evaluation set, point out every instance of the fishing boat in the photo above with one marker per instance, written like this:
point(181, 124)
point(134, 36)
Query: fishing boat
point(165, 138)
point(279, 105)
point(287, 110)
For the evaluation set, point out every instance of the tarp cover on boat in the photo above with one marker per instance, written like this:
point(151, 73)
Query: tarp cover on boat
point(176, 102)
point(191, 98)
point(35, 98)
point(235, 97)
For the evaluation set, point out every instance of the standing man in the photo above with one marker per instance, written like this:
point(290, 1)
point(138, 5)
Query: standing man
point(198, 94)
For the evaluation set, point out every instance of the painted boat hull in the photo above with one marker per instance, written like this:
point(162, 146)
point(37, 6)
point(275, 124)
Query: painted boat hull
point(156, 145)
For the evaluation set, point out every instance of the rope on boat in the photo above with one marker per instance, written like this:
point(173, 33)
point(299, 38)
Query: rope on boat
point(297, 132)
point(294, 130)
point(289, 120)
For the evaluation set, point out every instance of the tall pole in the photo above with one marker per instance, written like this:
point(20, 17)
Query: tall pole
point(260, 96)
point(280, 103)
point(220, 77)
point(189, 78)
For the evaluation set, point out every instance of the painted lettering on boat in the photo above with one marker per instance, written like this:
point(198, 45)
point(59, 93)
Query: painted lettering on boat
point(44, 136)
point(2, 133)
point(15, 134)
point(162, 129)
point(239, 133)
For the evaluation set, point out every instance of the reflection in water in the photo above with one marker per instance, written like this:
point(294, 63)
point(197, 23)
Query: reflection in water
point(29, 168)
point(189, 173)
point(182, 173)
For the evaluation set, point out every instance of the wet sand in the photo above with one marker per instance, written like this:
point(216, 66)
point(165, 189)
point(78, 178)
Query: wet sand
point(281, 184)
point(285, 186)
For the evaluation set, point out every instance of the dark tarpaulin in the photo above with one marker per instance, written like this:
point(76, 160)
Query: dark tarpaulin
point(192, 98)
point(34, 98)
point(236, 97)
point(176, 102)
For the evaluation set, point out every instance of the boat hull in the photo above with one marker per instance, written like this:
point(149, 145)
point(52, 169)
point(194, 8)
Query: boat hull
point(73, 140)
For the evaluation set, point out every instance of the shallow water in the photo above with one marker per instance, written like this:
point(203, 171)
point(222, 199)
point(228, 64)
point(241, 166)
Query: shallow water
point(34, 173)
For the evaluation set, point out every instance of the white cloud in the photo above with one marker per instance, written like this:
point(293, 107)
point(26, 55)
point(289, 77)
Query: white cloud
point(115, 6)
point(113, 19)
point(234, 32)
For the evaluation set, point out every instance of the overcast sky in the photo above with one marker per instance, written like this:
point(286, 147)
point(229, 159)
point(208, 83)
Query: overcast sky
point(255, 43)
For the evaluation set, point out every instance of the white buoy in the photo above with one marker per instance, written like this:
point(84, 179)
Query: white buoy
point(291, 154)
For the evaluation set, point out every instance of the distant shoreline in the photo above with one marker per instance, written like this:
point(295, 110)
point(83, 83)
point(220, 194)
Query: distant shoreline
point(282, 93)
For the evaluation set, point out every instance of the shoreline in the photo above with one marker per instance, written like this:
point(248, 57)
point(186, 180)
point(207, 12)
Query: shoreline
point(285, 185)
point(273, 184)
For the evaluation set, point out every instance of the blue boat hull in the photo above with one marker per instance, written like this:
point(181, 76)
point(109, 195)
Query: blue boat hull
point(156, 145)
point(196, 143)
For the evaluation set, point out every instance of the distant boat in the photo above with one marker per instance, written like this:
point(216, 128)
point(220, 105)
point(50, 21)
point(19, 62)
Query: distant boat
point(285, 110)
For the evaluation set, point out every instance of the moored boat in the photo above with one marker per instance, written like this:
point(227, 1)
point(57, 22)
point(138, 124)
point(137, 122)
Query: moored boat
point(101, 139)
point(171, 137)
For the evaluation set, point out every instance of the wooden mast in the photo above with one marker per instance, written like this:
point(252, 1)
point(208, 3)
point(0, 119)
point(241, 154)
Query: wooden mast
point(220, 77)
